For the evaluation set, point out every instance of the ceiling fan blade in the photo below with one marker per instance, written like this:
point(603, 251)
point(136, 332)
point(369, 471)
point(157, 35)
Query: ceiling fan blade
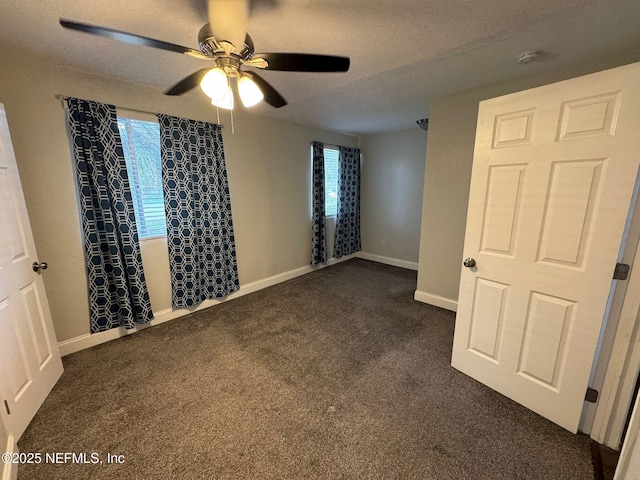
point(229, 20)
point(248, 41)
point(271, 95)
point(131, 38)
point(304, 62)
point(187, 83)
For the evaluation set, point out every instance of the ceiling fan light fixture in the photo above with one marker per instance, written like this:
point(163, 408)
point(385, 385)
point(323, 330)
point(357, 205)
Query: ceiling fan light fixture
point(250, 93)
point(214, 84)
point(225, 100)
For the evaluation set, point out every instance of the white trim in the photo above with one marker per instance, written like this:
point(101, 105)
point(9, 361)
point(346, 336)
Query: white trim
point(629, 450)
point(622, 370)
point(388, 260)
point(617, 370)
point(90, 340)
point(604, 371)
point(10, 470)
point(436, 300)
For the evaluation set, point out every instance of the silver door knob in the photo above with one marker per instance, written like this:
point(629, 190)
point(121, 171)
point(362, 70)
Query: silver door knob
point(469, 262)
point(39, 266)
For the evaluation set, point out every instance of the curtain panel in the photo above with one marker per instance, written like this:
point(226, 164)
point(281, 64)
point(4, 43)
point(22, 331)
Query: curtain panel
point(347, 238)
point(118, 294)
point(319, 226)
point(202, 252)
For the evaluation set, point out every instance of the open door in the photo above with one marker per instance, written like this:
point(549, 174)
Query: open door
point(553, 176)
point(30, 361)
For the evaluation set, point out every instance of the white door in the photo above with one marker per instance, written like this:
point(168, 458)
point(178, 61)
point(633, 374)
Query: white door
point(553, 175)
point(29, 357)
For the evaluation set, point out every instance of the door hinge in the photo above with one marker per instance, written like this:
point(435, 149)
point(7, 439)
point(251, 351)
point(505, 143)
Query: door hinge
point(621, 271)
point(6, 405)
point(591, 395)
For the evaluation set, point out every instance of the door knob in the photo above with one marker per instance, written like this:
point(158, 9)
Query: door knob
point(39, 266)
point(469, 262)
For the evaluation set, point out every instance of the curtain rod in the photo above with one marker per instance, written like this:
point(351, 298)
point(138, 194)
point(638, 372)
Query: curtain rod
point(63, 100)
point(326, 144)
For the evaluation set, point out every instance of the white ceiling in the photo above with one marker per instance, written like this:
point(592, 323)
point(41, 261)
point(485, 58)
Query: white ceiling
point(404, 53)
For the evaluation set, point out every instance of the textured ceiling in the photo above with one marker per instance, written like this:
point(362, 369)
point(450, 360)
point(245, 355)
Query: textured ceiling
point(404, 53)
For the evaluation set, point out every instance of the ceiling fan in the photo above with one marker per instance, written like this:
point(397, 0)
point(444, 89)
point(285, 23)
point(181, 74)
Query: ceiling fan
point(225, 42)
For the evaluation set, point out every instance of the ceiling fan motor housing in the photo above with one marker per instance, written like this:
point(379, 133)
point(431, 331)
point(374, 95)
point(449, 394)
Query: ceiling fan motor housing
point(211, 46)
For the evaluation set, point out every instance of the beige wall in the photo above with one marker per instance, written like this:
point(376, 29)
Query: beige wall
point(391, 195)
point(267, 162)
point(451, 137)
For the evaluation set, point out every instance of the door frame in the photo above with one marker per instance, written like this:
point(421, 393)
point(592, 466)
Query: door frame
point(8, 444)
point(617, 370)
point(629, 453)
point(9, 471)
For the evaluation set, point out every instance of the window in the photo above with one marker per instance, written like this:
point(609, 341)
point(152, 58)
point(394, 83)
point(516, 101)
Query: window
point(330, 181)
point(141, 144)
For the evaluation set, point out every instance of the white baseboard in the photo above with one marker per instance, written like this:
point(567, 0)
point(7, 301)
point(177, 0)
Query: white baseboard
point(436, 300)
point(9, 470)
point(388, 260)
point(90, 340)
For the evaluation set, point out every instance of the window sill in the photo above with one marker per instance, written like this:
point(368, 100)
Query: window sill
point(151, 239)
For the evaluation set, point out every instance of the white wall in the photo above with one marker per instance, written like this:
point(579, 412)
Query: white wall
point(267, 162)
point(391, 193)
point(451, 137)
point(4, 436)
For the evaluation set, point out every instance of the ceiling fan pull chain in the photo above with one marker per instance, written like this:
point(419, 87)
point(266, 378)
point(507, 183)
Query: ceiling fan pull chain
point(218, 114)
point(233, 130)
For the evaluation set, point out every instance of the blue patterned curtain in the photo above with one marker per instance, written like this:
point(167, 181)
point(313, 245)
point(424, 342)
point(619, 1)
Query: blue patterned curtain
point(202, 252)
point(118, 293)
point(347, 239)
point(319, 227)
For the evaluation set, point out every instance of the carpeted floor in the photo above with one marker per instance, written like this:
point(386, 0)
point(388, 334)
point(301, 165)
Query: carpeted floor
point(338, 374)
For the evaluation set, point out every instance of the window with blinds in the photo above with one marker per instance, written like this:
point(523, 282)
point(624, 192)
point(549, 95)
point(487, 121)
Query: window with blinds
point(330, 181)
point(141, 144)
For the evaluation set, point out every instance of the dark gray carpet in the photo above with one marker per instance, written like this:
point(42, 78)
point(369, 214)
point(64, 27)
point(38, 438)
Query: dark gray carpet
point(336, 374)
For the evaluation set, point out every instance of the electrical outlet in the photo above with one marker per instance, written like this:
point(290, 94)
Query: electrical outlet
point(382, 244)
